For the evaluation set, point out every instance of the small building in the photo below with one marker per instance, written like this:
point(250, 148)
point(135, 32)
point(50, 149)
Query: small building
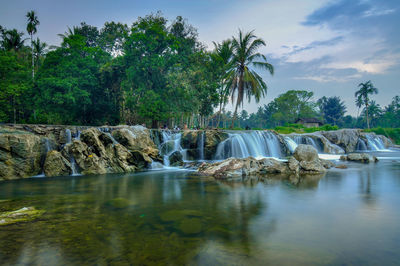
point(309, 122)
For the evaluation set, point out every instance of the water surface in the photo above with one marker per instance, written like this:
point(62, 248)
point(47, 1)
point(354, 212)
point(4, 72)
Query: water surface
point(349, 216)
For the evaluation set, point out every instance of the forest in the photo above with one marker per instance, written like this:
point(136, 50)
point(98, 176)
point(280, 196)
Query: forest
point(156, 72)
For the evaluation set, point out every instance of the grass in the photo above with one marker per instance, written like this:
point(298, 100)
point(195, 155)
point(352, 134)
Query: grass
point(297, 128)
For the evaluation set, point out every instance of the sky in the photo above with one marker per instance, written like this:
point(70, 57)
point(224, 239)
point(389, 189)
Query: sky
point(325, 46)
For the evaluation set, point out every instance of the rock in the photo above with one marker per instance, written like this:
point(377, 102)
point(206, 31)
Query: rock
point(189, 139)
point(20, 154)
point(176, 159)
point(136, 138)
point(341, 166)
point(212, 139)
point(22, 215)
point(56, 165)
point(359, 157)
point(308, 159)
point(345, 138)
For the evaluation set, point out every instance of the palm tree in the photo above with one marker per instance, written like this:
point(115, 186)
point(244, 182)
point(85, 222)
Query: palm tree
point(243, 80)
point(12, 40)
point(31, 29)
point(374, 111)
point(362, 96)
point(222, 56)
point(39, 50)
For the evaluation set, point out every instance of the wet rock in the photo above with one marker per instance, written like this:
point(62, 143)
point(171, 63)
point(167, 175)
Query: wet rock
point(308, 159)
point(212, 139)
point(22, 215)
point(176, 159)
point(345, 138)
point(341, 166)
point(56, 165)
point(359, 157)
point(20, 154)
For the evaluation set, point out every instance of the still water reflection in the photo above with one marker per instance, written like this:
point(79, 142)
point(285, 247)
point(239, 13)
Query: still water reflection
point(348, 216)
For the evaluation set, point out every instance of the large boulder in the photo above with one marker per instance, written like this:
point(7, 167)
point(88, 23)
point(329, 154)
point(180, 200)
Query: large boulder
point(20, 154)
point(137, 138)
point(345, 138)
point(359, 157)
point(308, 159)
point(56, 165)
point(212, 139)
point(176, 159)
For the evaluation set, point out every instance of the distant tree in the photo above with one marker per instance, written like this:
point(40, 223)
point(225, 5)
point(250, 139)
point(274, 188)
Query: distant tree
point(33, 22)
point(375, 112)
point(362, 96)
point(12, 40)
point(112, 37)
point(332, 109)
point(244, 81)
point(39, 50)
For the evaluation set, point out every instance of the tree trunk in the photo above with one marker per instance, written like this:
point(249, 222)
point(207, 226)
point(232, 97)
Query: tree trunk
point(366, 110)
point(33, 63)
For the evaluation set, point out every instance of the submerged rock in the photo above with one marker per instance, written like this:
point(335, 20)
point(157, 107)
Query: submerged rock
point(359, 157)
point(22, 215)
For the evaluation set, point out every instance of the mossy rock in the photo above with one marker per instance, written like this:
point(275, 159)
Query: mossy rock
point(22, 215)
point(171, 216)
point(190, 226)
point(119, 203)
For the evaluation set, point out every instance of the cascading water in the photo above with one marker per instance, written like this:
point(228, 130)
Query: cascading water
point(361, 146)
point(171, 143)
point(245, 144)
point(306, 140)
point(374, 143)
point(292, 145)
point(71, 157)
point(200, 146)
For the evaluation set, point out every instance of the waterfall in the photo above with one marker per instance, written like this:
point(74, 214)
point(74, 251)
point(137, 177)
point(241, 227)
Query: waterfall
point(361, 146)
point(200, 146)
point(374, 143)
point(171, 143)
point(71, 157)
point(48, 148)
point(306, 140)
point(245, 144)
point(114, 141)
point(292, 145)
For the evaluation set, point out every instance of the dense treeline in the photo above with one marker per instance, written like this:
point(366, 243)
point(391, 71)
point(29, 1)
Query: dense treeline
point(158, 73)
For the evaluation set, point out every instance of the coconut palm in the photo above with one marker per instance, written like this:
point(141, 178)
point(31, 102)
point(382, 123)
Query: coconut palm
point(12, 40)
point(362, 96)
point(39, 50)
point(222, 56)
point(31, 29)
point(244, 81)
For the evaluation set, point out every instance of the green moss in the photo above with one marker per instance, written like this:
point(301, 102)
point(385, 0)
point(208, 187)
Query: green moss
point(22, 215)
point(191, 226)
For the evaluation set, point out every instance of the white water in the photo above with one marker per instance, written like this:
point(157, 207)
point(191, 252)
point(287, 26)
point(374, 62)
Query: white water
point(375, 143)
point(200, 146)
point(171, 143)
point(298, 139)
point(245, 144)
point(292, 145)
point(74, 168)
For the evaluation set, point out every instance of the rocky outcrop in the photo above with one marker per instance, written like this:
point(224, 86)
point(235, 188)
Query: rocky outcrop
point(56, 165)
point(212, 139)
point(137, 138)
point(176, 159)
point(345, 138)
point(359, 157)
point(20, 154)
point(190, 142)
point(304, 161)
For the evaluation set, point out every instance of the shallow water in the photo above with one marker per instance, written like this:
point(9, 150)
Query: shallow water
point(349, 216)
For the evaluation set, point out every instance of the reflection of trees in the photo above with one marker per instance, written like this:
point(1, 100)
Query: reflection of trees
point(126, 219)
point(366, 189)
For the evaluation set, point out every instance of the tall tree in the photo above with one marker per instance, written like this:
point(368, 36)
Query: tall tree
point(243, 79)
point(33, 22)
point(12, 40)
point(332, 109)
point(362, 96)
point(39, 50)
point(221, 57)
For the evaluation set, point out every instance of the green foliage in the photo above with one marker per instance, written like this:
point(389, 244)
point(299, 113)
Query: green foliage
point(298, 128)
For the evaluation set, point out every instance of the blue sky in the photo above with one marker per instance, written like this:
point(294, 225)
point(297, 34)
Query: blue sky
point(327, 46)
